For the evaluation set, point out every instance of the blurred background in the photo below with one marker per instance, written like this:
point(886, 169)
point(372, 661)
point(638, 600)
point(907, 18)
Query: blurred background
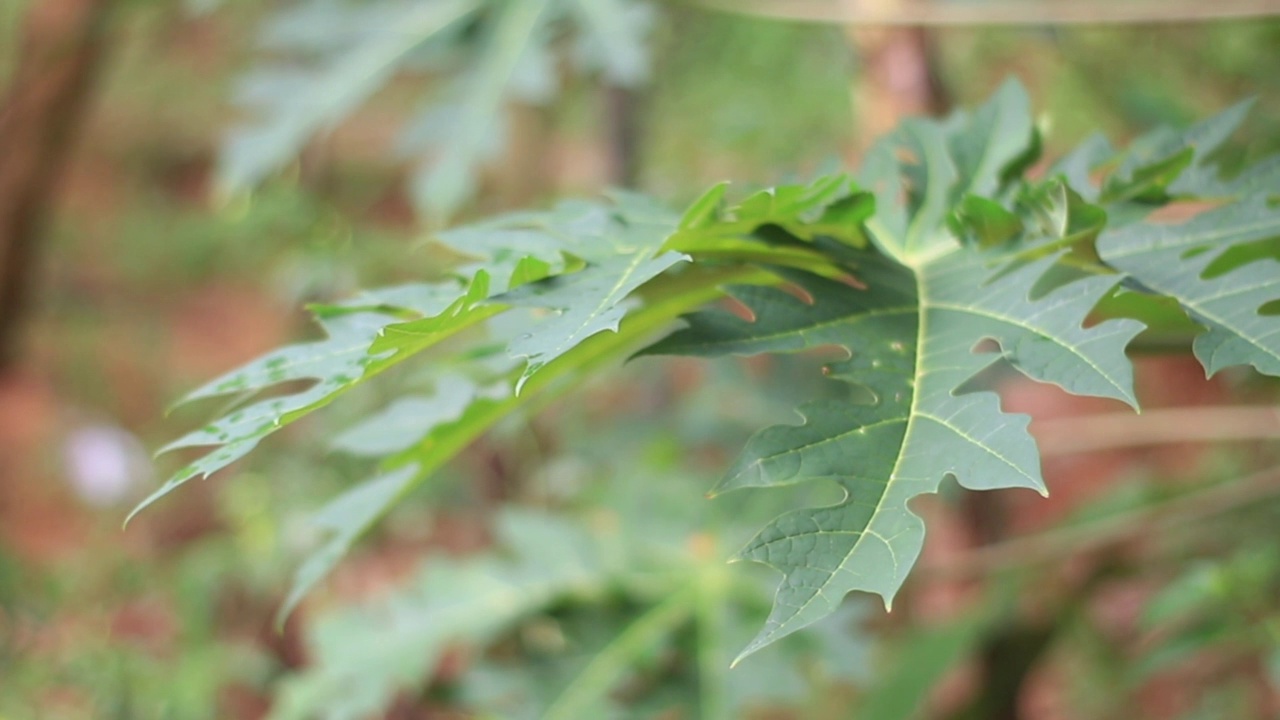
point(179, 178)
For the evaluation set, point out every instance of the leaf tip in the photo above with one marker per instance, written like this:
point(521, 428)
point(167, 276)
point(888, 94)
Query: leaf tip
point(286, 609)
point(134, 512)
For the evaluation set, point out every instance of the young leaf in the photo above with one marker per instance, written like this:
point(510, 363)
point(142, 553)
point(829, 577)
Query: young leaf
point(996, 140)
point(365, 338)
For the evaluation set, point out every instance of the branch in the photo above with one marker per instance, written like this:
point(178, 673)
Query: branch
point(60, 54)
point(997, 12)
point(1168, 426)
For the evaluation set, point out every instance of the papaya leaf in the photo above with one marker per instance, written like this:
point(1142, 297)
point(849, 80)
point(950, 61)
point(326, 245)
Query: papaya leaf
point(938, 249)
point(614, 38)
point(443, 183)
point(344, 519)
point(831, 206)
point(363, 657)
point(1178, 261)
point(592, 300)
point(363, 340)
point(587, 302)
point(911, 334)
point(405, 421)
point(910, 337)
point(1167, 163)
point(487, 52)
point(295, 104)
point(997, 141)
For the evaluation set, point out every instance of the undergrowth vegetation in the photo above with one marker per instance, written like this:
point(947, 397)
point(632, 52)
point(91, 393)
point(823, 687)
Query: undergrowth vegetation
point(941, 256)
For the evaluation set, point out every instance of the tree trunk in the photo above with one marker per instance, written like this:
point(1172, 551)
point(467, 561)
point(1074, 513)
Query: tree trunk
point(897, 77)
point(60, 53)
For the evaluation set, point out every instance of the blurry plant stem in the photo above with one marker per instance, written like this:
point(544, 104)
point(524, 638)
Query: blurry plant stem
point(925, 13)
point(1163, 426)
point(60, 54)
point(624, 135)
point(1013, 651)
point(1009, 654)
point(1055, 544)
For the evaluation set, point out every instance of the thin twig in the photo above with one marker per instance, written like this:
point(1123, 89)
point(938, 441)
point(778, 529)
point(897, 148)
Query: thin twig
point(998, 12)
point(1056, 544)
point(1164, 426)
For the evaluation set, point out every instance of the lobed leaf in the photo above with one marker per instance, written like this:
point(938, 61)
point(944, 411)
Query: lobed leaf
point(292, 105)
point(1178, 261)
point(939, 247)
point(363, 657)
point(443, 182)
point(911, 336)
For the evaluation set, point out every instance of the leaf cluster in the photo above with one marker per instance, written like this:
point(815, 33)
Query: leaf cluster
point(326, 59)
point(943, 255)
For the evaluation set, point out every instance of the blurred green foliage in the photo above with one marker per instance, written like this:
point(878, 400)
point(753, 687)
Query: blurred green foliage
point(729, 96)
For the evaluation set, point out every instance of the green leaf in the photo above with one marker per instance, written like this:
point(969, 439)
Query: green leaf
point(294, 105)
point(1078, 166)
point(614, 38)
point(829, 207)
point(352, 514)
point(1147, 182)
point(404, 422)
point(362, 657)
point(996, 140)
point(1175, 163)
point(929, 302)
point(621, 245)
point(706, 209)
point(1179, 261)
point(361, 343)
point(442, 184)
point(985, 222)
point(911, 337)
point(589, 302)
point(344, 519)
point(369, 334)
point(930, 181)
point(1202, 179)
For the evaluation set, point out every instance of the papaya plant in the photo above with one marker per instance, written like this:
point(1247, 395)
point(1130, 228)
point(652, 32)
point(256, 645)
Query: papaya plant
point(954, 247)
point(323, 60)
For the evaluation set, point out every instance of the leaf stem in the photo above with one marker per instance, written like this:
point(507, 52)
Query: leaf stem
point(1163, 426)
point(712, 684)
point(606, 668)
point(996, 12)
